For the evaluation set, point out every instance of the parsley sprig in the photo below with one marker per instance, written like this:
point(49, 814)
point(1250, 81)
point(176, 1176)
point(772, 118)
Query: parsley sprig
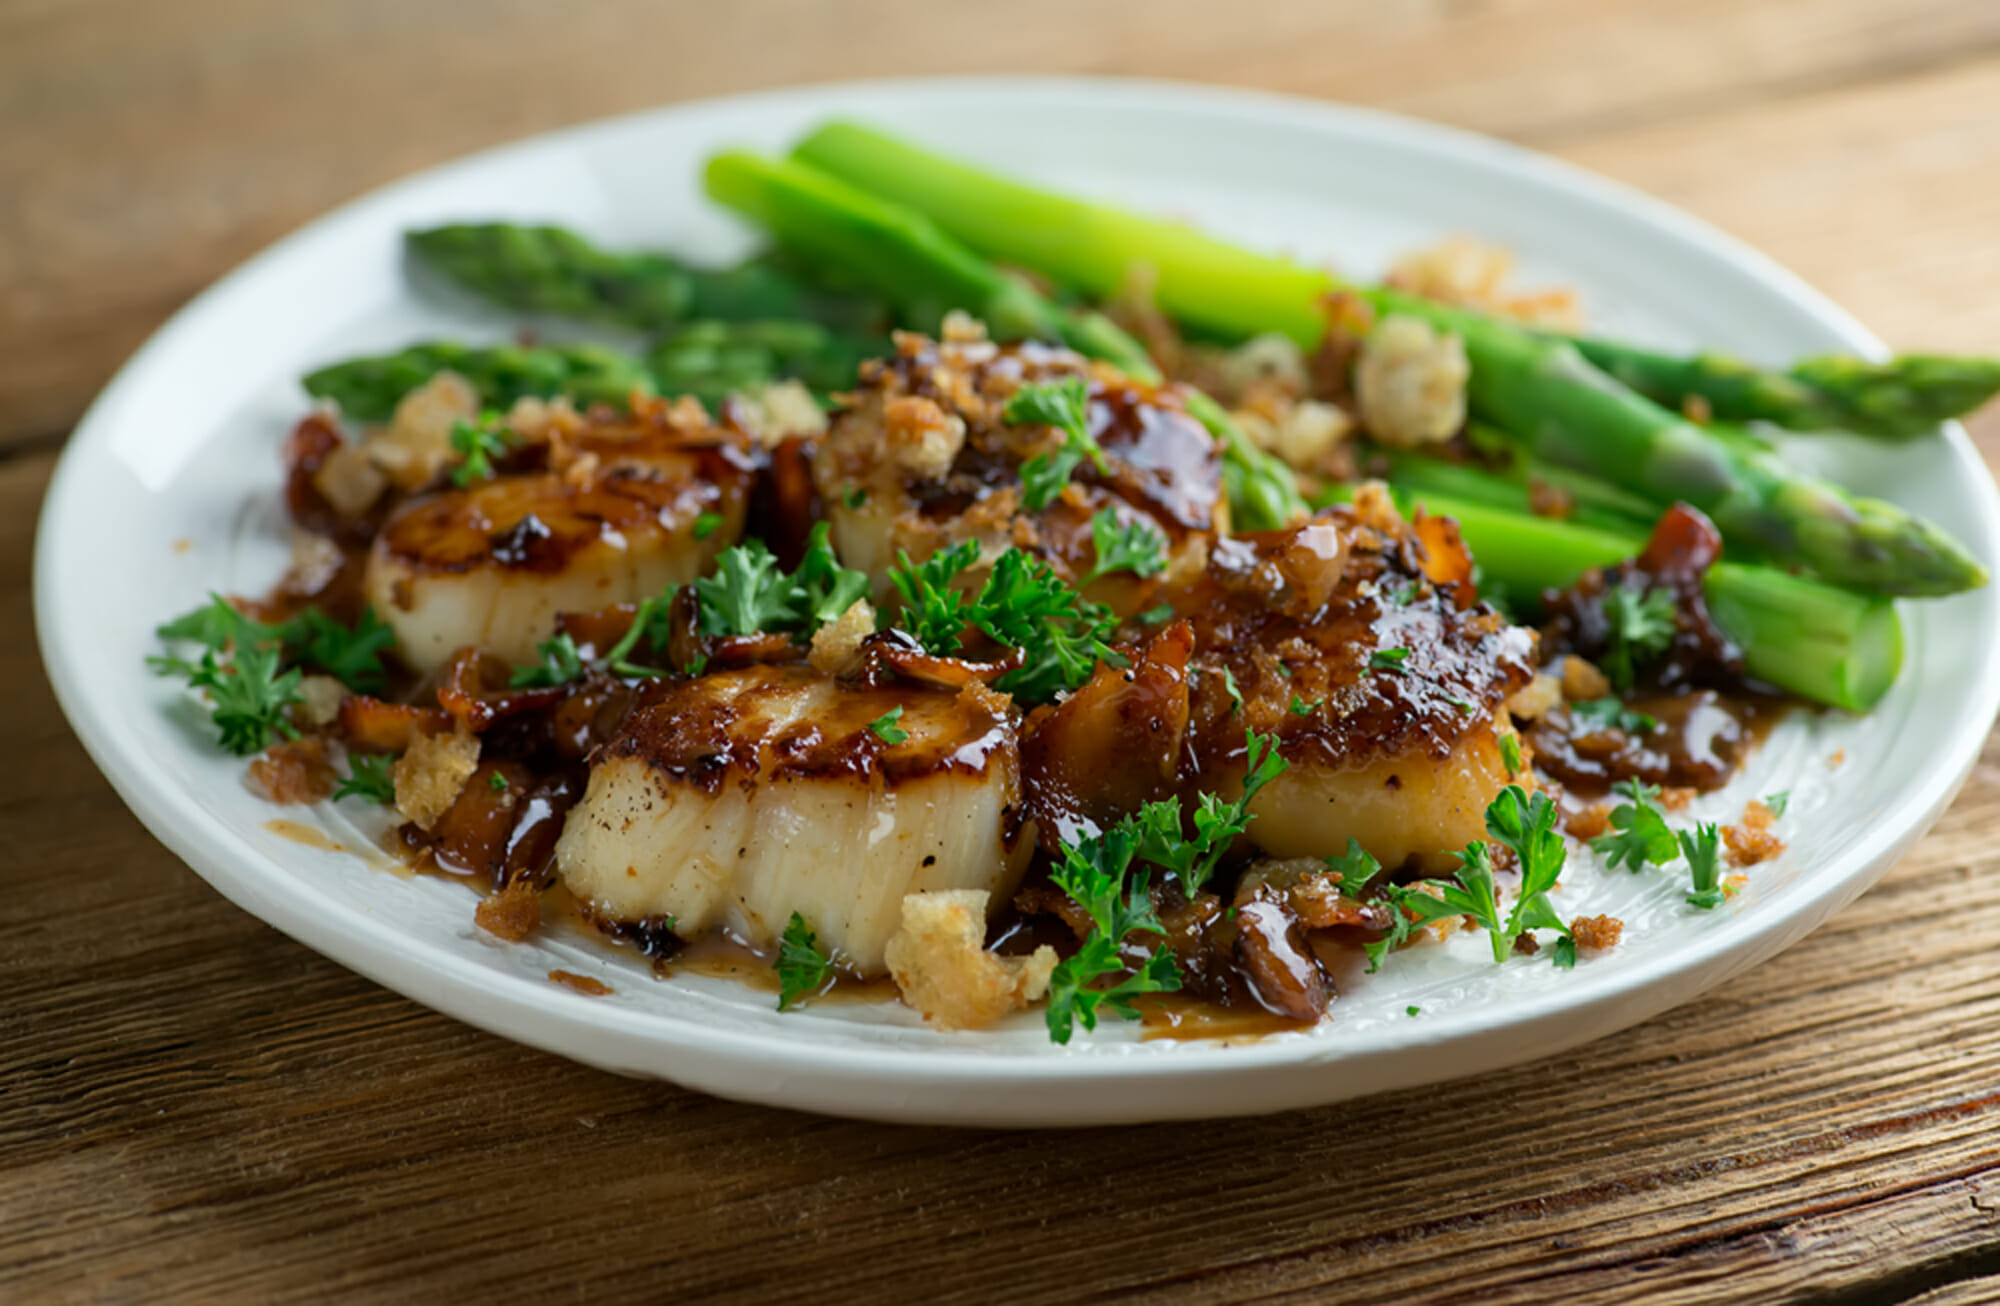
point(1641, 625)
point(1513, 820)
point(1097, 873)
point(1064, 405)
point(477, 444)
point(250, 670)
point(802, 968)
point(1137, 546)
point(370, 777)
point(1641, 835)
point(1608, 713)
point(1022, 604)
point(1108, 876)
point(1217, 821)
point(749, 593)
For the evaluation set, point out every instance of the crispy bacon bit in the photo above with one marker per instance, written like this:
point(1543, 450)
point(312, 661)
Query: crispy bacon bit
point(584, 984)
point(378, 727)
point(511, 914)
point(1596, 933)
point(296, 771)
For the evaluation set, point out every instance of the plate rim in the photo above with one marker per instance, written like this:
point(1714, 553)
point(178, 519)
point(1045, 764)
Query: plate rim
point(520, 1010)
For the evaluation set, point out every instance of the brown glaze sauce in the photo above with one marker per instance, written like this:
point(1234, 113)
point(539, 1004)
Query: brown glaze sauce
point(1702, 739)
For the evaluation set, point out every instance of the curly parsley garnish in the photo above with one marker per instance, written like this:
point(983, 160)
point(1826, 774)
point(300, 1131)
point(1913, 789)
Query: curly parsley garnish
point(562, 661)
point(1097, 874)
point(1527, 826)
point(748, 593)
point(1641, 626)
point(250, 670)
point(477, 444)
point(370, 776)
point(802, 968)
point(1023, 604)
point(1065, 406)
point(1137, 546)
point(1217, 822)
point(1642, 835)
point(1609, 714)
point(887, 730)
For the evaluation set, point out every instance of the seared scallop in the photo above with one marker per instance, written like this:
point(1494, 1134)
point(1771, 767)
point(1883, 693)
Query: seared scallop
point(921, 457)
point(1356, 640)
point(732, 801)
point(493, 563)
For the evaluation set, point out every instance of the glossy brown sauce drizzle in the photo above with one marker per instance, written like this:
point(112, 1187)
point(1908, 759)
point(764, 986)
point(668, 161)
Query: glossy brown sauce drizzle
point(1270, 621)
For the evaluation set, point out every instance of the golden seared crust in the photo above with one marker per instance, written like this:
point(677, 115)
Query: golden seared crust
point(542, 522)
point(920, 457)
point(776, 723)
point(1309, 622)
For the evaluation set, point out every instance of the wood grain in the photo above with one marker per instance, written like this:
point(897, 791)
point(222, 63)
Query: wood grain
point(194, 1107)
point(149, 147)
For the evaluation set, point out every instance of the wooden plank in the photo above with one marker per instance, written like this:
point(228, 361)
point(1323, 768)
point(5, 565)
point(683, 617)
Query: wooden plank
point(192, 1105)
point(1882, 195)
point(147, 148)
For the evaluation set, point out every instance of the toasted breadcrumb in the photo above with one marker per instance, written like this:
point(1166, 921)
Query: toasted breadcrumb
point(1749, 845)
point(1582, 682)
point(1461, 270)
point(1410, 382)
point(1757, 816)
point(779, 411)
point(296, 771)
point(942, 968)
point(319, 703)
point(961, 328)
point(1589, 823)
point(416, 444)
point(1675, 798)
point(1596, 933)
point(430, 775)
point(511, 914)
point(924, 440)
point(584, 984)
point(836, 644)
point(349, 480)
point(1542, 693)
point(1376, 508)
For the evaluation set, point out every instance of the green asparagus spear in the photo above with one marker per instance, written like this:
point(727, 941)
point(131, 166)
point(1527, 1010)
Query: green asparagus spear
point(540, 269)
point(551, 270)
point(905, 257)
point(706, 359)
point(1546, 395)
point(368, 389)
point(711, 360)
point(1088, 248)
point(1905, 397)
point(1592, 502)
point(1818, 641)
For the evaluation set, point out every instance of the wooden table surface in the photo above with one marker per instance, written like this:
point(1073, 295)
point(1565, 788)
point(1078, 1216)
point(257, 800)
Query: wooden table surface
point(193, 1106)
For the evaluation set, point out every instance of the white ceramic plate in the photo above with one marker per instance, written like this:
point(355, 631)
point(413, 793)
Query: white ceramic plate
point(183, 447)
